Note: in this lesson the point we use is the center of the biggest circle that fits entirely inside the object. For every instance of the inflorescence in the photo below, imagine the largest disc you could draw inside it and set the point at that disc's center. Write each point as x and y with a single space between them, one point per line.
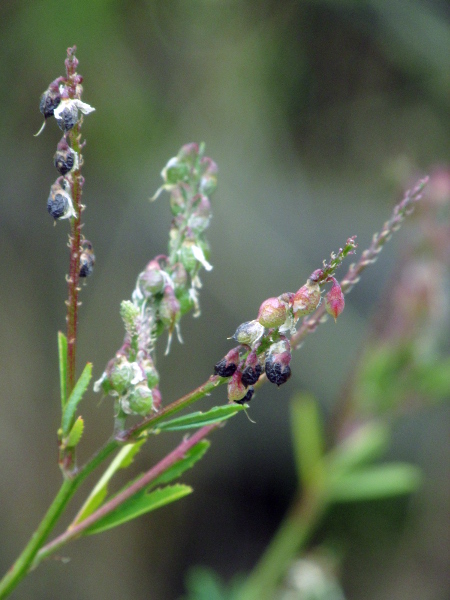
263 343
62 100
167 288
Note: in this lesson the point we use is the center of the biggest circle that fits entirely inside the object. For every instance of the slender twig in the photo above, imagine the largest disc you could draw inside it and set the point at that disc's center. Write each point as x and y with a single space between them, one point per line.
141 483
368 257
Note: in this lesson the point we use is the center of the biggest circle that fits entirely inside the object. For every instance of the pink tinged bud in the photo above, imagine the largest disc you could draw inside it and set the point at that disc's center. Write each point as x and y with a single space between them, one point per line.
252 369
169 309
334 299
201 213
272 313
306 299
228 364
236 389
178 275
249 333
151 281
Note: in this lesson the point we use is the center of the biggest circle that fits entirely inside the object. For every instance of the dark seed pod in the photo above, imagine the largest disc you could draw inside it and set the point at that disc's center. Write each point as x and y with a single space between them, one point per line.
87 259
228 364
68 117
250 375
248 396
277 372
224 369
59 203
64 160
50 99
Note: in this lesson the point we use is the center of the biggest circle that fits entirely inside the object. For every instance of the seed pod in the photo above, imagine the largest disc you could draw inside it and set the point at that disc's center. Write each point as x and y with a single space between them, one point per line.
150 372
272 312
67 115
201 213
334 299
248 396
139 401
169 309
208 182
306 299
248 333
87 259
228 364
50 99
65 158
121 375
277 362
252 369
59 203
236 389
151 281
178 275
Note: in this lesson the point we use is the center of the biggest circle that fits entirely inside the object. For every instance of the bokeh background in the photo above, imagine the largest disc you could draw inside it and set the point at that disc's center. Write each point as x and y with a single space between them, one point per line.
317 113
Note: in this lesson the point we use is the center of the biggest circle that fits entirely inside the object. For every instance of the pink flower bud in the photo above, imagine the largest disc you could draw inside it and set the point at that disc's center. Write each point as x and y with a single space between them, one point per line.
228 364
236 389
334 299
272 313
306 299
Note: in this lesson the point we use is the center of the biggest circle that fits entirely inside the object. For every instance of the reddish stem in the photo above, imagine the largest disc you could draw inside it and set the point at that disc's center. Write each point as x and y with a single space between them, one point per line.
76 184
177 454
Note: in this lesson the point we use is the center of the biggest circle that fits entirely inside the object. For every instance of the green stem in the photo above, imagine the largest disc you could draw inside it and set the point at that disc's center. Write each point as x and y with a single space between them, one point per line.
292 535
20 568
23 563
139 484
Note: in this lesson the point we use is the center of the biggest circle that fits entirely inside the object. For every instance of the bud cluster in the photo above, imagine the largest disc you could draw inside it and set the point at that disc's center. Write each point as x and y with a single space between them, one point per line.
168 287
263 346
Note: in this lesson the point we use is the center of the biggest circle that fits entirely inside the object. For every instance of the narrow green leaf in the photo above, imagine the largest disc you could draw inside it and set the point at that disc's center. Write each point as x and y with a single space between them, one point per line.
75 433
138 505
372 483
123 459
62 354
187 462
361 447
199 419
308 439
74 398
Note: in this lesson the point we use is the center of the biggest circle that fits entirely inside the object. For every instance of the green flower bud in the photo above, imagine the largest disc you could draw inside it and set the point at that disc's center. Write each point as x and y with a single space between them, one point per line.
139 401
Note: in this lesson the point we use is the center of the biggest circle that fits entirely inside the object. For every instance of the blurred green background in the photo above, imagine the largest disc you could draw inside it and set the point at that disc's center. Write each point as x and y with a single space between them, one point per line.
316 113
